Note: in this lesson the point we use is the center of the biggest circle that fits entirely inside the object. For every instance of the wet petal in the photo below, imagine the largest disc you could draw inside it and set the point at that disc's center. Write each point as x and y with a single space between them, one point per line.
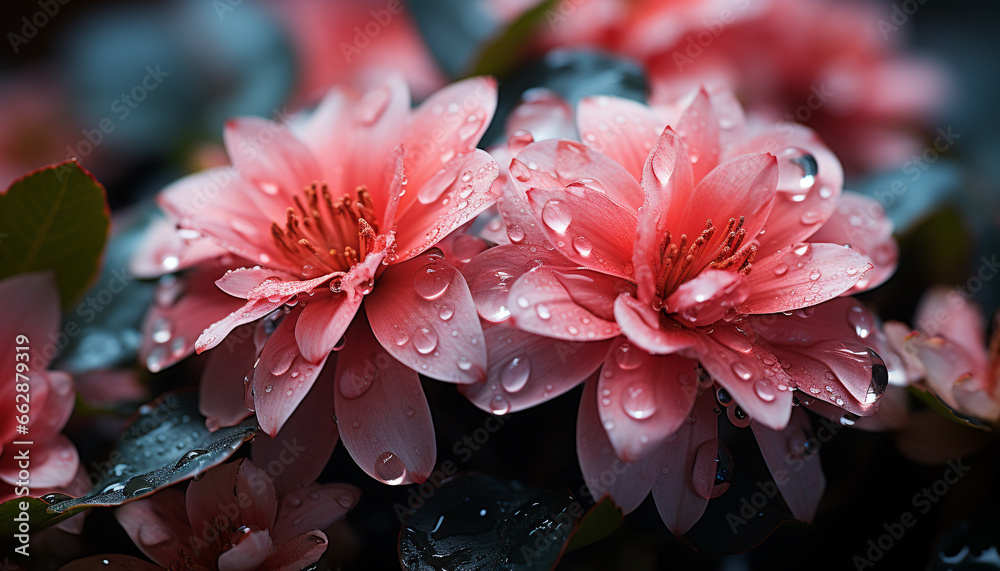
322 323
862 223
314 506
221 391
575 305
620 129
792 456
158 525
644 326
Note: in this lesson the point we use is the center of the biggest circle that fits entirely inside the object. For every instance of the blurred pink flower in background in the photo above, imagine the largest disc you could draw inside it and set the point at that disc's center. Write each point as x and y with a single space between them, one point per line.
357 42
340 211
233 518
31 308
726 229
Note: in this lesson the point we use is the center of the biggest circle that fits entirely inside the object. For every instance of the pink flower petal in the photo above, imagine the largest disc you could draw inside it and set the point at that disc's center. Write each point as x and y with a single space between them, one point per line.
646 327
158 525
603 472
54 406
802 275
272 289
543 114
241 281
314 506
575 305
298 553
422 313
948 313
643 398
322 324
184 307
699 127
221 391
802 204
555 164
297 454
792 457
451 198
527 369
449 123
708 297
381 405
30 308
491 274
249 553
163 250
687 469
52 465
521 227
862 223
267 155
251 311
750 373
667 179
586 226
204 497
257 496
282 376
620 129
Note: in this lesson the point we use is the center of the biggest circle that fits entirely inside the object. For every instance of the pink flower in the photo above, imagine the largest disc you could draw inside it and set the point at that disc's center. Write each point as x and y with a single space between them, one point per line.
646 252
948 351
341 212
233 518
30 306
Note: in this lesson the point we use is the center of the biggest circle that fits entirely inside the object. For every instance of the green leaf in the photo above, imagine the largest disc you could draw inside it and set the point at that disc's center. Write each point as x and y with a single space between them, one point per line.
939 406
166 443
599 522
38 517
55 218
500 56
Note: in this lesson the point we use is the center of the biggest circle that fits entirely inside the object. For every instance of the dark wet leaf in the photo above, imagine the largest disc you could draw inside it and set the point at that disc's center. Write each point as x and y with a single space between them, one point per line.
971 545
454 30
475 521
599 522
56 219
940 407
38 518
166 443
501 55
103 330
573 74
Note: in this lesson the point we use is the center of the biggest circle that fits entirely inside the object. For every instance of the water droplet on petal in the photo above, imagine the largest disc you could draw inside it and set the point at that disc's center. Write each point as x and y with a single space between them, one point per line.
764 390
880 378
542 310
445 312
389 468
742 370
424 340
582 246
432 280
499 405
515 374
357 379
638 402
859 318
628 357
556 217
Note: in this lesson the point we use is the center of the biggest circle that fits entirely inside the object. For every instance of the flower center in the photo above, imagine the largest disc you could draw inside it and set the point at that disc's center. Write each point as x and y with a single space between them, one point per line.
337 233
681 260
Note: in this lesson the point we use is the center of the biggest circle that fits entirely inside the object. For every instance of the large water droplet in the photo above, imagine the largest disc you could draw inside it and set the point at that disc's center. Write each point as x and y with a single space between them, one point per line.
499 405
519 170
742 370
424 340
628 357
724 398
638 402
860 320
162 330
582 246
738 417
357 379
515 374
189 456
432 280
764 390
556 217
806 162
390 469
156 359
880 378
543 311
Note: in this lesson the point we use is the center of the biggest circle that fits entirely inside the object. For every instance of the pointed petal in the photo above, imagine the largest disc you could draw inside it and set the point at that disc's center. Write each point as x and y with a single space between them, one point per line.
251 311
667 180
55 407
544 114
527 369
862 223
382 407
221 391
802 275
203 497
802 204
250 553
257 496
575 305
422 313
270 157
298 553
603 472
184 307
323 322
749 372
644 327
699 127
454 196
644 398
679 487
158 524
947 313
240 281
587 227
282 376
708 297
555 164
314 506
620 129
53 465
164 251
792 457
305 442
